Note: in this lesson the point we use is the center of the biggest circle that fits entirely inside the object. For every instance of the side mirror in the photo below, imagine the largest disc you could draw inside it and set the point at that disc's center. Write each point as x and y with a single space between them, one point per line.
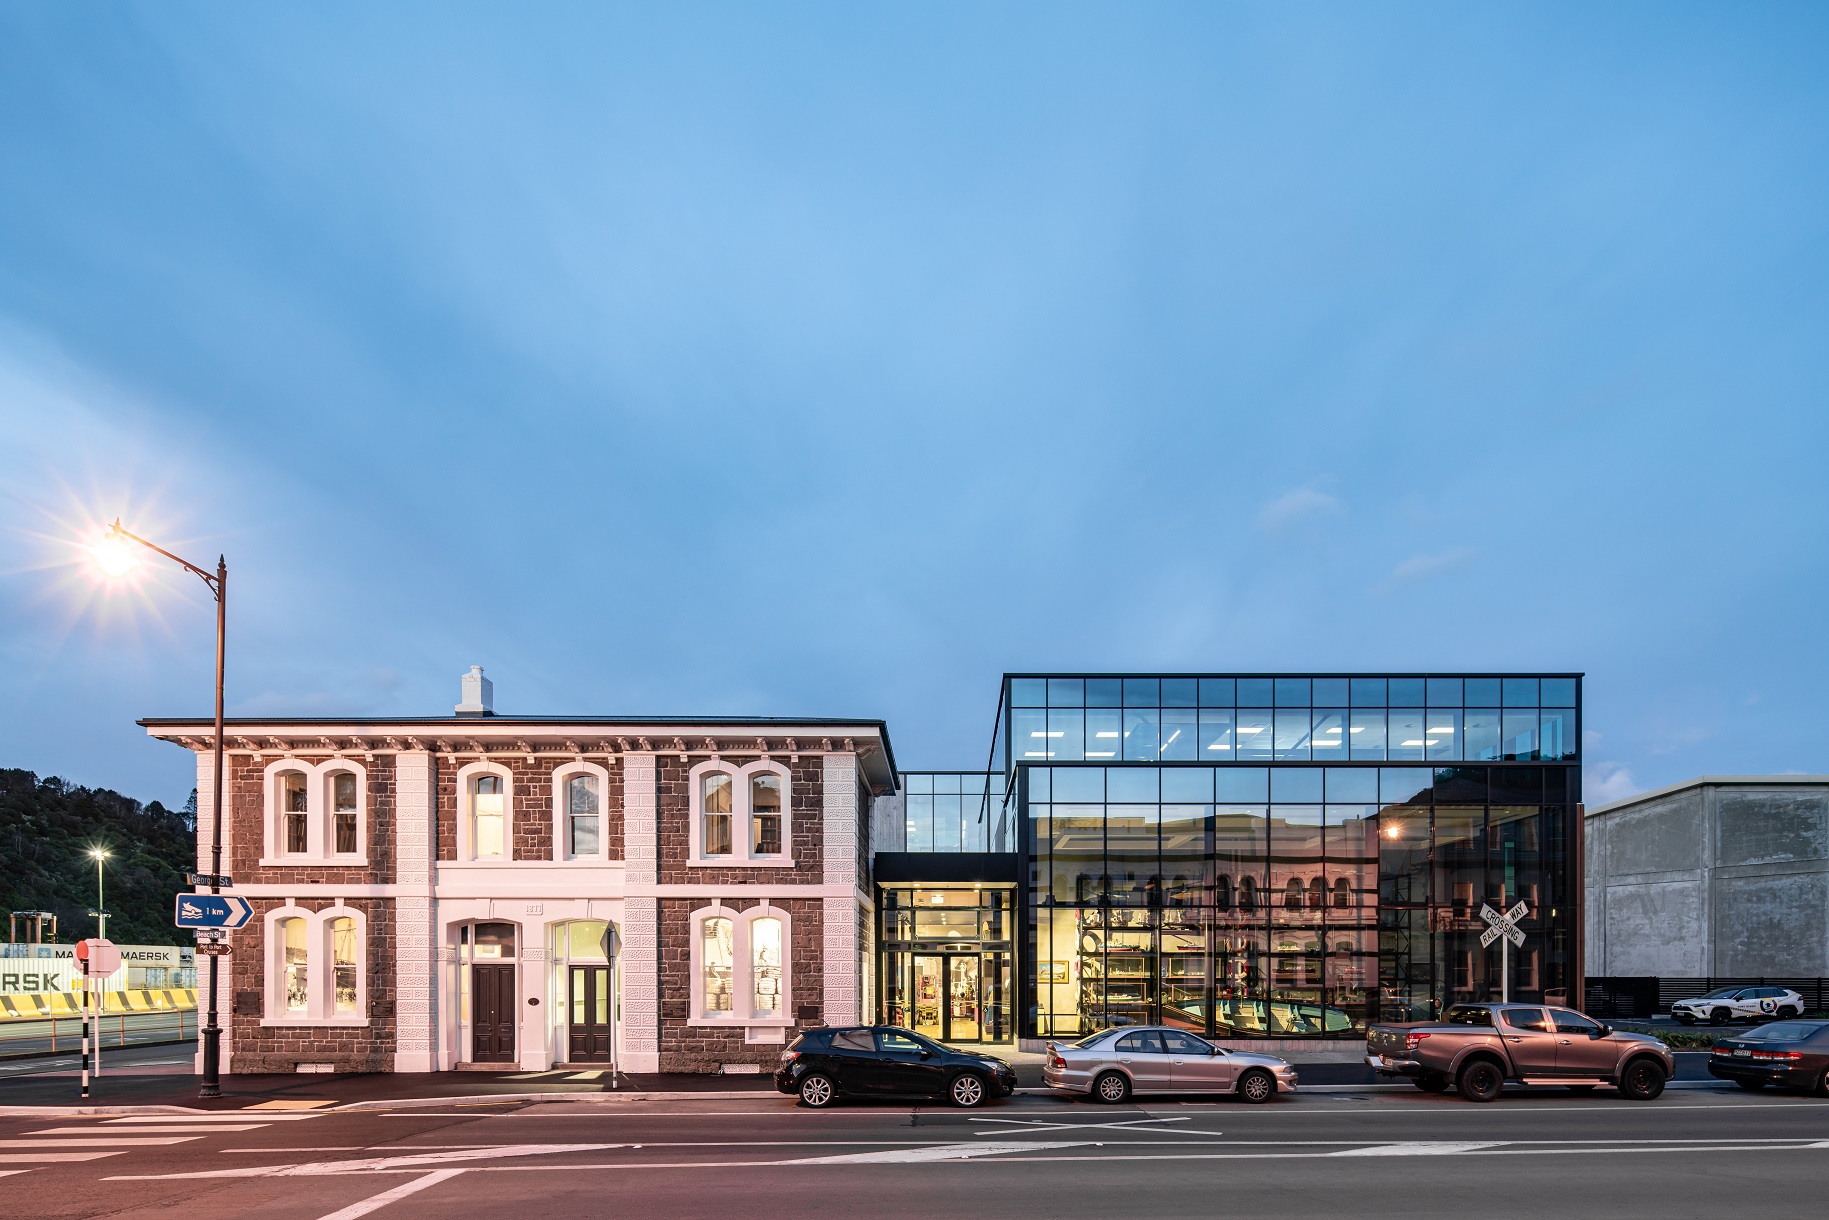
926 1054
1602 1032
1213 1051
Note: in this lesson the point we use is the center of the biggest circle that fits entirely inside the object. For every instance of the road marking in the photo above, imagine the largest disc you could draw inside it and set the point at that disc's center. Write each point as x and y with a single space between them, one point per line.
933 1152
187 1129
115 1141
1415 1148
380 1164
291 1104
208 1116
14 1158
1047 1125
392 1195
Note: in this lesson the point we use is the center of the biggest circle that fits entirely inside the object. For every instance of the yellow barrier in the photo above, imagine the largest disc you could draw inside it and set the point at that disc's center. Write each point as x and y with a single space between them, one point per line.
42 1005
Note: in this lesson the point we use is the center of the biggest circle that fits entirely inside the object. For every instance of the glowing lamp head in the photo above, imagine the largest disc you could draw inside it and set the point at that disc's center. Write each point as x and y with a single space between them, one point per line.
114 555
98 853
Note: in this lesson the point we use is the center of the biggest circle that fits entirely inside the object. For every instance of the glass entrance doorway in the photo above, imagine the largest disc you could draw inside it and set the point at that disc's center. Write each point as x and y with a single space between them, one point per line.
946 963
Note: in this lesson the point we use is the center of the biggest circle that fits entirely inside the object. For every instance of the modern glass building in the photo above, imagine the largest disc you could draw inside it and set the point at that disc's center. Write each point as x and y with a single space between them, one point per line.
1239 855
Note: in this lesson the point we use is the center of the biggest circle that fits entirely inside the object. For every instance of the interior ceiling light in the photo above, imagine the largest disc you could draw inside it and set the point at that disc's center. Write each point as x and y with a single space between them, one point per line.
1060 734
1104 734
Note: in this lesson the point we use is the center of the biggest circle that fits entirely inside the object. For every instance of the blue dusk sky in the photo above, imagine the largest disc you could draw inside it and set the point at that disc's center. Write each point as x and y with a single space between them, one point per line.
787 360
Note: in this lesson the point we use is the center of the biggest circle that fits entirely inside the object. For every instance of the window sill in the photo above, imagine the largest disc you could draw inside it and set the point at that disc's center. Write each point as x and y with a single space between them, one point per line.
740 862
336 1022
501 862
314 862
739 1023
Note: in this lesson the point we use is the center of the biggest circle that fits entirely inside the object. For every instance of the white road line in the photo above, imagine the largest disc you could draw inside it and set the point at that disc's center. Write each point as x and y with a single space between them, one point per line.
1414 1148
99 1141
15 1158
212 1117
1039 1124
933 1152
380 1164
187 1128
389 1196
7 1173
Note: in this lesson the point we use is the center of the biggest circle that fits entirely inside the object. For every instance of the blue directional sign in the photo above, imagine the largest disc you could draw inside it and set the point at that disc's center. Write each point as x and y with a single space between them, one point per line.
212 911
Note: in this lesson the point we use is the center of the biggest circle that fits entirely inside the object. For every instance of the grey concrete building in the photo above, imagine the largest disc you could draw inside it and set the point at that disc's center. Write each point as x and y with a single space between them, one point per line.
1722 875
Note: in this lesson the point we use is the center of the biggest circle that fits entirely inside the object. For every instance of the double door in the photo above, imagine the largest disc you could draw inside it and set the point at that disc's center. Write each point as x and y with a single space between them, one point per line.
493 1014
948 1001
592 1015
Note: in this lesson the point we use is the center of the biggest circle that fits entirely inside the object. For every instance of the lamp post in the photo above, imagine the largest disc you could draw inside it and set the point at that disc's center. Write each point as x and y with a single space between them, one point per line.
114 558
99 854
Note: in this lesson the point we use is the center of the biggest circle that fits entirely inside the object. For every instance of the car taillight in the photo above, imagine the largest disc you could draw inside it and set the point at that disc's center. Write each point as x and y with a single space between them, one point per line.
1412 1041
1781 1056
789 1056
1055 1061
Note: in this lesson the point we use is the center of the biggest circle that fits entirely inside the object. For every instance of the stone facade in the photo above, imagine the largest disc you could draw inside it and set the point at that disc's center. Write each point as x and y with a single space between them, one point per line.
417 897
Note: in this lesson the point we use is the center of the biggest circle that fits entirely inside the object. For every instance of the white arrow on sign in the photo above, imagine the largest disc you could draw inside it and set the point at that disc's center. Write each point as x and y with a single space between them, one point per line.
1504 926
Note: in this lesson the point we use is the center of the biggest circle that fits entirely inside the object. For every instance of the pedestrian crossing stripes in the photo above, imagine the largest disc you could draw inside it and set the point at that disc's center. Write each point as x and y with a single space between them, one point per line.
114 1136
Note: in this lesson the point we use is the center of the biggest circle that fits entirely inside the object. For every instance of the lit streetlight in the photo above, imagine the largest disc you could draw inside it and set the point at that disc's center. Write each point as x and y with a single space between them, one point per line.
99 854
115 557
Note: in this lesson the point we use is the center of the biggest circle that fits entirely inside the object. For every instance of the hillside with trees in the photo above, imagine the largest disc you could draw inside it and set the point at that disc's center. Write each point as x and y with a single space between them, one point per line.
47 828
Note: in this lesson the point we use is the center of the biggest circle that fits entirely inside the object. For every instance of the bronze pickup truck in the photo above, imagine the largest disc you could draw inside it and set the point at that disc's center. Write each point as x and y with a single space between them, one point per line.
1478 1047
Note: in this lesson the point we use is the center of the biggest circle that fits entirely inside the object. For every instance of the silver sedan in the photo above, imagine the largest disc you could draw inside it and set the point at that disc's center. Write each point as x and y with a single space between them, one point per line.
1114 1063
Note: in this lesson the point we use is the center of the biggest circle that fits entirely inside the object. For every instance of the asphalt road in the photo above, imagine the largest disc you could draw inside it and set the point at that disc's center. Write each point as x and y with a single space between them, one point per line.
1700 1151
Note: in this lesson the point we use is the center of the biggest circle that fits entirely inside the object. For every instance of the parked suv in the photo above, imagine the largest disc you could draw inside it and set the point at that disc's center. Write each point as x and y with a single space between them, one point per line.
822 1065
1478 1047
1726 1004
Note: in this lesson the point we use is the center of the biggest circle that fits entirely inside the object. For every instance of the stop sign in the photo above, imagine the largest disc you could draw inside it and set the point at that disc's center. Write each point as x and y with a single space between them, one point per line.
98 957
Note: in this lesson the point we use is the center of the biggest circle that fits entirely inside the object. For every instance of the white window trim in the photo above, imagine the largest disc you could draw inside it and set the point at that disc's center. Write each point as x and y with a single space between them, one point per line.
319 835
319 968
741 831
562 820
466 847
742 981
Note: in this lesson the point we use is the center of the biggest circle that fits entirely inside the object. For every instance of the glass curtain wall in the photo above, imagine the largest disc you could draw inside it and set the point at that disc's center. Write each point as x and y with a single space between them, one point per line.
1286 901
955 811
947 959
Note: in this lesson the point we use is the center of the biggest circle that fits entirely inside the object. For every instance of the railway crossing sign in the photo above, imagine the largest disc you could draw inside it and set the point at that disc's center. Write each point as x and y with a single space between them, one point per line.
1503 925
1506 931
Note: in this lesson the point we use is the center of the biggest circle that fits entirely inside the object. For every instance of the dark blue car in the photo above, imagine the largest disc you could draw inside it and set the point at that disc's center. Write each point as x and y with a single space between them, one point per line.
823 1065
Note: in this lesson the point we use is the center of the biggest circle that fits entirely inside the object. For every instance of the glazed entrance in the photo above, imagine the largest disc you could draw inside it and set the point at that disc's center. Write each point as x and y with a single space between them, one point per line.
946 966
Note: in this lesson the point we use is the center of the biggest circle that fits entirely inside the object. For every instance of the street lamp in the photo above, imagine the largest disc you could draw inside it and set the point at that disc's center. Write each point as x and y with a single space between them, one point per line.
116 558
99 854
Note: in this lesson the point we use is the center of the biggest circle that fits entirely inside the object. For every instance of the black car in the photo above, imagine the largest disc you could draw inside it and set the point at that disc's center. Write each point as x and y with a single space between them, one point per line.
1790 1053
822 1065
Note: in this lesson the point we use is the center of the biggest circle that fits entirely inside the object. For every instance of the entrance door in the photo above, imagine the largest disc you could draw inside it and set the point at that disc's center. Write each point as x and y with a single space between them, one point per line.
591 1011
962 999
492 992
930 997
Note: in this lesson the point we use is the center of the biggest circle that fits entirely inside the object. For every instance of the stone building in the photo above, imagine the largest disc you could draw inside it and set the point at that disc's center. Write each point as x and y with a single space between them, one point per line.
434 893
1718 876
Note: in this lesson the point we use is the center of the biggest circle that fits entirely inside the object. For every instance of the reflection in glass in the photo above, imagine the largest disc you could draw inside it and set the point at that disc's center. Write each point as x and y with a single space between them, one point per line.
1441 734
765 965
1330 735
486 815
1366 735
1066 734
1180 733
716 958
343 965
581 815
1076 853
1133 874
296 978
1029 734
1103 734
1406 739
1142 734
1292 729
1185 854
1558 734
1518 736
1256 740
1482 733
715 794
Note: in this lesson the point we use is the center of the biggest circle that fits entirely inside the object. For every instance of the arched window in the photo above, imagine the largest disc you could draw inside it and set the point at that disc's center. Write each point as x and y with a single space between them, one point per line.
765 814
343 966
1222 893
1292 895
486 816
715 794
1247 894
1317 893
294 813
717 957
295 965
343 812
1343 893
583 823
765 965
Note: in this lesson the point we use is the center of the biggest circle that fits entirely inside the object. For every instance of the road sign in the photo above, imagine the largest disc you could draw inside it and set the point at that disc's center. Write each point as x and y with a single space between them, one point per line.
98 958
212 911
1504 927
213 948
201 880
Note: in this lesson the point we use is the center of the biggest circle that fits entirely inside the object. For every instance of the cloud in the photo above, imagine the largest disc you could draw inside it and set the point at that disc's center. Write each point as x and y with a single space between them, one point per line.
1298 505
1604 782
1424 567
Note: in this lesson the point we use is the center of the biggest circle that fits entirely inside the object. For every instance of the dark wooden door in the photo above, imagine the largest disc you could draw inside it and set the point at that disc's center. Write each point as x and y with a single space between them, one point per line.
493 1014
592 1013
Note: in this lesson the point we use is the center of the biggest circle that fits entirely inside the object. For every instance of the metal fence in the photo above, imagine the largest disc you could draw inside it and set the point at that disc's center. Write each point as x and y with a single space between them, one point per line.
1652 995
59 1034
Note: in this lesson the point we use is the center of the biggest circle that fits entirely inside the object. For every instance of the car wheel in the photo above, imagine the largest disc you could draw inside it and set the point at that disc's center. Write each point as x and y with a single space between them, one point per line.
1112 1088
1786 1013
1257 1086
1822 1084
1643 1080
1751 1086
1581 1088
967 1090
1720 1016
1431 1082
817 1091
1481 1080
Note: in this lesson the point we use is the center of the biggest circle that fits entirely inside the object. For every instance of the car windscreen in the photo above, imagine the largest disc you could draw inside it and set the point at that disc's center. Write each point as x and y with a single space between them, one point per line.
1782 1031
1468 1014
